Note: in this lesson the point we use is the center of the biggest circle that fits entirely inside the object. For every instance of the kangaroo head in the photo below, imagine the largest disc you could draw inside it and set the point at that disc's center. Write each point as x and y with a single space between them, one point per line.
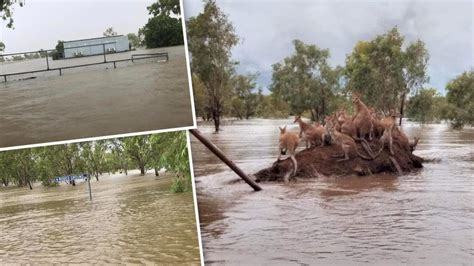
282 130
355 98
297 118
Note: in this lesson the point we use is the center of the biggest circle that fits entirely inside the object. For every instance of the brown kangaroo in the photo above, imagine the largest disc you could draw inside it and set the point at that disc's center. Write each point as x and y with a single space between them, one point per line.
305 128
362 119
345 142
288 142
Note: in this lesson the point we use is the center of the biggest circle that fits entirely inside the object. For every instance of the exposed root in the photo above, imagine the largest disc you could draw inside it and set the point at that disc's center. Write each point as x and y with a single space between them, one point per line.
318 162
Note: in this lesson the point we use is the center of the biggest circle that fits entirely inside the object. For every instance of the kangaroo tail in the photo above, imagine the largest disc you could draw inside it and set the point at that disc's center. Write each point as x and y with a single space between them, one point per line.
295 163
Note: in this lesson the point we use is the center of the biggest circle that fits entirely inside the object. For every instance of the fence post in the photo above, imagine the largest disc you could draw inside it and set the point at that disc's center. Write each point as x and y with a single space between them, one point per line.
103 46
47 60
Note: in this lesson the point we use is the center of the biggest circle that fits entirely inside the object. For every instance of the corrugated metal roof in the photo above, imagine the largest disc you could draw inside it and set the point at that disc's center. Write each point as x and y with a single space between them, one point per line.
94 38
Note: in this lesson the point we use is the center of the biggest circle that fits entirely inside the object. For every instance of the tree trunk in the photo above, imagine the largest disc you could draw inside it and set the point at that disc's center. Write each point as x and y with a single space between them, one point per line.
97 176
156 172
216 119
29 183
401 109
142 169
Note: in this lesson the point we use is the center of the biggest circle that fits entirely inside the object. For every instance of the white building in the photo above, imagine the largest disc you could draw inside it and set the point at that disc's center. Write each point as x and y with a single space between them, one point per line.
95 46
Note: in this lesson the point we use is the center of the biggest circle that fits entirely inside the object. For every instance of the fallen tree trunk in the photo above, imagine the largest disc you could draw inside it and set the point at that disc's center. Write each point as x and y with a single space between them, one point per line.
320 161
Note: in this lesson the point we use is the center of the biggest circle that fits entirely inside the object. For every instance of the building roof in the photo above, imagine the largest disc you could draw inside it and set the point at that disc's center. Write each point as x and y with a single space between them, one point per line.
94 38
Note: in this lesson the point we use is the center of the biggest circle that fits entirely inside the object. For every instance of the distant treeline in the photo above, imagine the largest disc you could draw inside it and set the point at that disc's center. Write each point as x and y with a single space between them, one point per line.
167 150
388 72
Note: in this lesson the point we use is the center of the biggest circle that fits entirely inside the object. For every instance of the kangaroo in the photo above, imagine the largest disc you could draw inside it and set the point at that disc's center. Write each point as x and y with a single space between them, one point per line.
362 119
347 125
311 132
345 142
388 124
288 143
414 144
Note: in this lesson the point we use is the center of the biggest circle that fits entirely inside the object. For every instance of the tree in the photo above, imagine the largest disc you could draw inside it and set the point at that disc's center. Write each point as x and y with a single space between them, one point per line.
58 53
134 40
2 47
305 80
109 32
420 107
6 10
139 149
384 73
245 99
460 98
165 7
200 99
211 38
162 31
93 154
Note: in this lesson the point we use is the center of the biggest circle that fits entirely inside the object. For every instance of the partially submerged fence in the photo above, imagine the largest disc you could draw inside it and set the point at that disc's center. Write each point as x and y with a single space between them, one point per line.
46 54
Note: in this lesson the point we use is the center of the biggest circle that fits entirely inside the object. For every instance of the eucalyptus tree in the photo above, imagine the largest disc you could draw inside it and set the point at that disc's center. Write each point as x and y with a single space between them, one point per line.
211 37
460 97
305 80
6 10
140 151
384 72
93 155
244 102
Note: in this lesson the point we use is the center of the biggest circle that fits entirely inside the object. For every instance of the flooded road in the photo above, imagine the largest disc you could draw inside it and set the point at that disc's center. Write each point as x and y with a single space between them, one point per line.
424 218
95 101
132 220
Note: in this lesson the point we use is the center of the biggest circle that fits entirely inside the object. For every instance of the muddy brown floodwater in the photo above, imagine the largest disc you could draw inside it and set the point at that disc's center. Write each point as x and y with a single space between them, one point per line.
423 218
132 220
94 101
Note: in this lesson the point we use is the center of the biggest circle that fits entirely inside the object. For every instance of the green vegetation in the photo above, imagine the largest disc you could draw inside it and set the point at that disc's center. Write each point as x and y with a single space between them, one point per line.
305 80
109 32
164 28
6 10
134 40
167 150
460 99
386 71
210 39
58 53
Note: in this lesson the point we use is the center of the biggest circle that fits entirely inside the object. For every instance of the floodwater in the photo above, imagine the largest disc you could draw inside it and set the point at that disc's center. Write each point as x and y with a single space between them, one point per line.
94 101
132 220
423 218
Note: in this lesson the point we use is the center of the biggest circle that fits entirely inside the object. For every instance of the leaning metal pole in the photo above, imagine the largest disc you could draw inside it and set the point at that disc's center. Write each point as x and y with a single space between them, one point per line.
214 149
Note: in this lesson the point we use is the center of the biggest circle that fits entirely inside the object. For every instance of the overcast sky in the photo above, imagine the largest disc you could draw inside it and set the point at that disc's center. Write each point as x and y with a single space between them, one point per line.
267 29
40 24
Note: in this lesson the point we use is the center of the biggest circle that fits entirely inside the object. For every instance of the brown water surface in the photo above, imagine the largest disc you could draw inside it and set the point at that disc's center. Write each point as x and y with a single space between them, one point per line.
423 218
94 101
132 220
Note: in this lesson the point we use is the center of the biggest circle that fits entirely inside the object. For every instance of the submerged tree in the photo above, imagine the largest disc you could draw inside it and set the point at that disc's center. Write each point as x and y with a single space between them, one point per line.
210 38
460 97
305 80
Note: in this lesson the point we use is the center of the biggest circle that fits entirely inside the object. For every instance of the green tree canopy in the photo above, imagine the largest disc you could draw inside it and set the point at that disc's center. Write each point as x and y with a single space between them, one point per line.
460 97
305 80
6 10
165 7
109 32
210 38
383 72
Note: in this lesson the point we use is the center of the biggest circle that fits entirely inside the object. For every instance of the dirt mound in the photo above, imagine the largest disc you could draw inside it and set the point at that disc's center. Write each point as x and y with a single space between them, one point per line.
320 161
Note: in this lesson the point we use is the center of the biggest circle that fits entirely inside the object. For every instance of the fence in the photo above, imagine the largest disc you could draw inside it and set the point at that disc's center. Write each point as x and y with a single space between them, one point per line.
47 53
